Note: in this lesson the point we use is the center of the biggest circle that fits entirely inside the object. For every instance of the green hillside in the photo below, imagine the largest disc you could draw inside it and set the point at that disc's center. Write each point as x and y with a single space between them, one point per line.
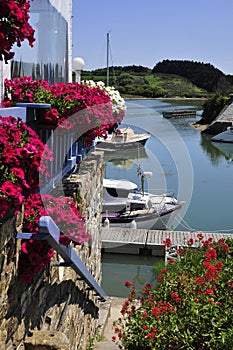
166 79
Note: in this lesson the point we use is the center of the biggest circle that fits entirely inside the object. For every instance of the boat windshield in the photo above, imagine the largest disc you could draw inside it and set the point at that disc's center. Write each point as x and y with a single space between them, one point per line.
137 206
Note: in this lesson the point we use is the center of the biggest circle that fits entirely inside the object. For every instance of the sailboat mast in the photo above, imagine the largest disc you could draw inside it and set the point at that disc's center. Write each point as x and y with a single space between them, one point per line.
107 59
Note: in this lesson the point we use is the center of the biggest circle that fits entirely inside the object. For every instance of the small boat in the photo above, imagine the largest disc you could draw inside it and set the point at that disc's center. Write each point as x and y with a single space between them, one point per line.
225 136
115 194
123 138
125 206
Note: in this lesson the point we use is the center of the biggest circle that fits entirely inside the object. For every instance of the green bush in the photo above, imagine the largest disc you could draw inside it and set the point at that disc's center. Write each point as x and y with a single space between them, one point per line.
191 306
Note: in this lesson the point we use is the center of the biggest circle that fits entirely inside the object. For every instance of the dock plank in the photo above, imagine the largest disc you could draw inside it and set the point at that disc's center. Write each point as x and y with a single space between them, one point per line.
155 237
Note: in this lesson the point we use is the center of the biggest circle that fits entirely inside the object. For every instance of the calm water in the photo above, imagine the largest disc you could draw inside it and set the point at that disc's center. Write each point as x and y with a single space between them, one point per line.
183 161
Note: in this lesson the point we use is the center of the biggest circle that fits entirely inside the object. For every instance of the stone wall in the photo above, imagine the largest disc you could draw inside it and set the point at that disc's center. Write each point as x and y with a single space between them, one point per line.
56 311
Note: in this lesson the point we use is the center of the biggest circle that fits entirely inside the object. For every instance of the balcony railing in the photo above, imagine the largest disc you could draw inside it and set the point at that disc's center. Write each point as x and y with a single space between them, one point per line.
67 150
49 231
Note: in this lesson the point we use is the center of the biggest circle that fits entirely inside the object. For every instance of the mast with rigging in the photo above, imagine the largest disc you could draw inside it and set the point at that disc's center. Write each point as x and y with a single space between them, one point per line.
107 59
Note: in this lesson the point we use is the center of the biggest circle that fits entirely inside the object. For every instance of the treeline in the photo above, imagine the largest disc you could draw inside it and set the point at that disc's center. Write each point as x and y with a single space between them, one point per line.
166 79
203 75
212 107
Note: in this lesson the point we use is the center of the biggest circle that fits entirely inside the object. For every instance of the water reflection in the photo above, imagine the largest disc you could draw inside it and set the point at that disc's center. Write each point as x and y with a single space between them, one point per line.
226 149
48 59
117 268
216 150
126 158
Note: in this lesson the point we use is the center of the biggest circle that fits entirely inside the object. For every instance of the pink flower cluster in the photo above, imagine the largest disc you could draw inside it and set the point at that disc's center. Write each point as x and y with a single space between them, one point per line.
22 90
14 26
64 213
36 254
20 151
73 105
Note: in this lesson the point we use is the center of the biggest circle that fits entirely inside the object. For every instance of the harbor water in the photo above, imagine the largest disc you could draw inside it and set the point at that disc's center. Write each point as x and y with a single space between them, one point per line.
185 163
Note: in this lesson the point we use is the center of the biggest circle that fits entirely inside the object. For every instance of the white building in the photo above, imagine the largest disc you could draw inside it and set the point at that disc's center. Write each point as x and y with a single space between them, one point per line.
51 56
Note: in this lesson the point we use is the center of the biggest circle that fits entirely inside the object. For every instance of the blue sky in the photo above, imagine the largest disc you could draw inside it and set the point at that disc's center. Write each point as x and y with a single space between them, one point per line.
147 32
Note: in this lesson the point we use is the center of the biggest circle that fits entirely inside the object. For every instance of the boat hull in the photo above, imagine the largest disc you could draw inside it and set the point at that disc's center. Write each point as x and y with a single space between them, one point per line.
151 220
113 146
225 136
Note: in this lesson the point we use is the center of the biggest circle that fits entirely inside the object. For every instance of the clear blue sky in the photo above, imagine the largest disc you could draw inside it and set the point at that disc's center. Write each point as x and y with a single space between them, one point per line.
147 32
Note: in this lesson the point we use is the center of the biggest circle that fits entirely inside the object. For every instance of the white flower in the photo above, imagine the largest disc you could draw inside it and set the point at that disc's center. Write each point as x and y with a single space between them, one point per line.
118 103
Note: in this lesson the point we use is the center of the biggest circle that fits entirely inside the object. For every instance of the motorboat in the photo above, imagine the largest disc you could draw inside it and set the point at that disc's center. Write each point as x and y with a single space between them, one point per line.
123 138
225 136
143 211
126 206
115 194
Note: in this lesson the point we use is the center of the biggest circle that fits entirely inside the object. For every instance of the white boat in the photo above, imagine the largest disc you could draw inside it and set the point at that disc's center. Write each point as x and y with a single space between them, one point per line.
123 138
115 194
225 136
142 210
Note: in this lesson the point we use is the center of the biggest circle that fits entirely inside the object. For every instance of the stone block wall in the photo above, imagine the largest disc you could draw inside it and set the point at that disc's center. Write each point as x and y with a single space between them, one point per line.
56 311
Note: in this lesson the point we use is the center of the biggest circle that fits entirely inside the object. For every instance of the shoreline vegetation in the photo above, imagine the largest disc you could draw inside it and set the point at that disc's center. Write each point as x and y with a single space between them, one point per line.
168 79
172 80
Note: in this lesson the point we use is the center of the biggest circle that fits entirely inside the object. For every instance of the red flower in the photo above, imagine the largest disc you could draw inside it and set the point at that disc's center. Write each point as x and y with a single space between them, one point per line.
174 295
167 242
10 189
128 283
226 248
150 335
171 261
200 236
155 311
209 291
190 242
18 172
14 26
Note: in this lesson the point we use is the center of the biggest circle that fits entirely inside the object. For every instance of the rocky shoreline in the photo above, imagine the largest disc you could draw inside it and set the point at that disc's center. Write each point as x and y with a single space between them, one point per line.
200 127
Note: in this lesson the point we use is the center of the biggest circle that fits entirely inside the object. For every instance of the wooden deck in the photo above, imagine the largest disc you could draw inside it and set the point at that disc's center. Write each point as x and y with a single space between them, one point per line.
180 113
149 242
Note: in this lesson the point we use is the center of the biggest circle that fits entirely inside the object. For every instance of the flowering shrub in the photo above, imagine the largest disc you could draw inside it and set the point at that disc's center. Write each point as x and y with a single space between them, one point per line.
14 26
24 89
118 103
36 254
101 107
191 307
94 108
74 106
20 152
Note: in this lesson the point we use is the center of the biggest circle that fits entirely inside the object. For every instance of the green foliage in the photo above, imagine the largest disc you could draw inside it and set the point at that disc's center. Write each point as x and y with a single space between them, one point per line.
191 307
203 75
212 107
149 85
138 81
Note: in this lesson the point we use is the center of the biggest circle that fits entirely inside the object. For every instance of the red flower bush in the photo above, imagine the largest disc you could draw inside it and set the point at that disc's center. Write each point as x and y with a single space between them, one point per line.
36 254
74 106
14 26
20 152
190 308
